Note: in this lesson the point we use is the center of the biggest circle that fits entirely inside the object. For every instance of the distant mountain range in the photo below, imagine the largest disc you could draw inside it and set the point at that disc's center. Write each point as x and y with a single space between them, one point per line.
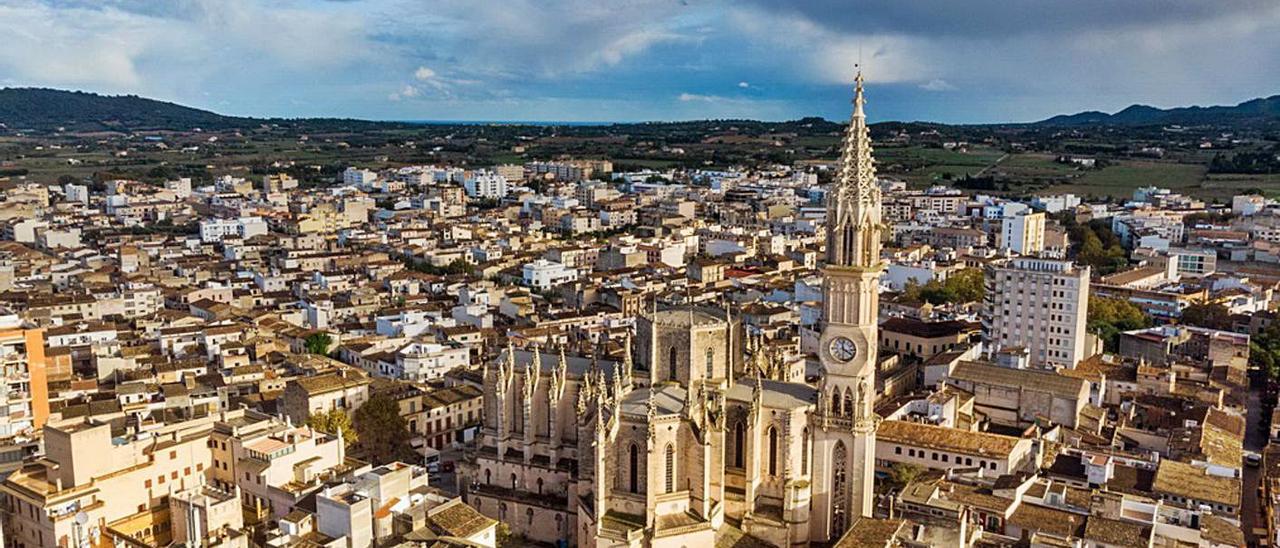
42 109
1265 109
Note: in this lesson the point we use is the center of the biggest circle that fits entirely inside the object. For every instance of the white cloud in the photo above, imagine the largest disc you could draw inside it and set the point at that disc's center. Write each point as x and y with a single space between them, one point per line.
937 84
744 85
171 48
424 73
691 97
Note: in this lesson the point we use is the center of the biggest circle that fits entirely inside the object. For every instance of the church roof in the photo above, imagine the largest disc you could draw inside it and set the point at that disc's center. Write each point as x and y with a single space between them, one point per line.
777 394
577 365
682 317
668 398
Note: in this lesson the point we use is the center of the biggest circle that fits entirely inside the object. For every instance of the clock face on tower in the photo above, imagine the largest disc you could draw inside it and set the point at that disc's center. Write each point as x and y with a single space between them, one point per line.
842 349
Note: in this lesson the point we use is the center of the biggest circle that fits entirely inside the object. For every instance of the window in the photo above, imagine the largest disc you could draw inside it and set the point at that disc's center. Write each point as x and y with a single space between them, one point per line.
897 450
739 440
634 461
804 452
671 468
539 486
513 481
773 451
488 476
711 360
671 364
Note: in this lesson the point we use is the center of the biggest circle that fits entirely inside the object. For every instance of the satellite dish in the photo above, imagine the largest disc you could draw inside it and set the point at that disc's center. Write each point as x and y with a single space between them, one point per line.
82 518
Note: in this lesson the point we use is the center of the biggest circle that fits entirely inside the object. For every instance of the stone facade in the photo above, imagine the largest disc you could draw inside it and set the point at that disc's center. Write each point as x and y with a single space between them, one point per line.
685 440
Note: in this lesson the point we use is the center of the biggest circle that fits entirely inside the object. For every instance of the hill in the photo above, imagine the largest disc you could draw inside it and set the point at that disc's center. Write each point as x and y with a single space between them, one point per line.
1255 110
48 109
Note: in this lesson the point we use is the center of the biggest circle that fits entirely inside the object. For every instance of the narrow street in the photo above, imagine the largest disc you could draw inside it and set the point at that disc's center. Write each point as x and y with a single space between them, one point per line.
1255 438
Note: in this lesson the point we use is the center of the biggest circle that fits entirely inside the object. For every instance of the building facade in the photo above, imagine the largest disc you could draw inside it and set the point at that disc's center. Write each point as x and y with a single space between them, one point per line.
684 440
1040 305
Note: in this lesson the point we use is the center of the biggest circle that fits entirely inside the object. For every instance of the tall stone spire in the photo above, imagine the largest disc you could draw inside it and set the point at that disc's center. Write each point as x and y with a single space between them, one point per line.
845 478
853 202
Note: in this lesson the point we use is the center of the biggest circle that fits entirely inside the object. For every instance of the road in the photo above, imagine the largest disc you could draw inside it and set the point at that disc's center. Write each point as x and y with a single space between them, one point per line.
1255 439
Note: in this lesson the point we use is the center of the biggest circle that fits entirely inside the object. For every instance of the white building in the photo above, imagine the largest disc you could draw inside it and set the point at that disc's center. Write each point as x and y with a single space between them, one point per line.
486 185
1248 204
1040 305
1023 233
544 275
1056 203
420 362
361 178
76 193
214 230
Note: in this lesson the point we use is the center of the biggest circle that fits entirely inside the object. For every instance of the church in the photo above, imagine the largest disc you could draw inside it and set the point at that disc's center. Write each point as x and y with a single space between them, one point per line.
685 441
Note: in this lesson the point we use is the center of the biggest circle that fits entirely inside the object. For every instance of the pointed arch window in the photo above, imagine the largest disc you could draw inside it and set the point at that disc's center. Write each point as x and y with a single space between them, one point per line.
839 488
804 452
551 417
671 468
634 461
773 451
671 364
711 363
848 402
739 441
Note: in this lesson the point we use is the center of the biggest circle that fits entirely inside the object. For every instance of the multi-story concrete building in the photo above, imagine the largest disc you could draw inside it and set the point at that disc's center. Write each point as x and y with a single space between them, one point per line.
1022 233
544 275
1040 305
274 463
118 481
345 389
214 230
24 392
486 185
358 177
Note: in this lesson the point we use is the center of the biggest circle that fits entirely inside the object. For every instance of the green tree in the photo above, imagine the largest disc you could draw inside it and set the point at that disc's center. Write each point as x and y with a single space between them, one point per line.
318 343
964 286
901 474
383 433
502 538
334 421
1264 351
1210 315
1109 317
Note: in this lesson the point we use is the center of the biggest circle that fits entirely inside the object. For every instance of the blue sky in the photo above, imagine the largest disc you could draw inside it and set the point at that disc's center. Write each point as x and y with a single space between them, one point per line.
621 60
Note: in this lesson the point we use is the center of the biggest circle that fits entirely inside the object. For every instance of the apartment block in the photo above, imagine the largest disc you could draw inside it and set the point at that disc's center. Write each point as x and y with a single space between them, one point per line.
1040 305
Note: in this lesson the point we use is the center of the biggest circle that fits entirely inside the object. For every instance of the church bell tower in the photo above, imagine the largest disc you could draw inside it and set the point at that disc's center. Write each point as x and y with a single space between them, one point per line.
845 433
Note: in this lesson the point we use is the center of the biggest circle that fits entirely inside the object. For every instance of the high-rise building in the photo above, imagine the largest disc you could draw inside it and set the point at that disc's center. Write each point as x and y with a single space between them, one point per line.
1023 233
24 394
1039 305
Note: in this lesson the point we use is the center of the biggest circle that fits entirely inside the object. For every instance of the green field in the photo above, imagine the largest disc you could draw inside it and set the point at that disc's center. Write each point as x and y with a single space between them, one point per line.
923 166
1121 178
